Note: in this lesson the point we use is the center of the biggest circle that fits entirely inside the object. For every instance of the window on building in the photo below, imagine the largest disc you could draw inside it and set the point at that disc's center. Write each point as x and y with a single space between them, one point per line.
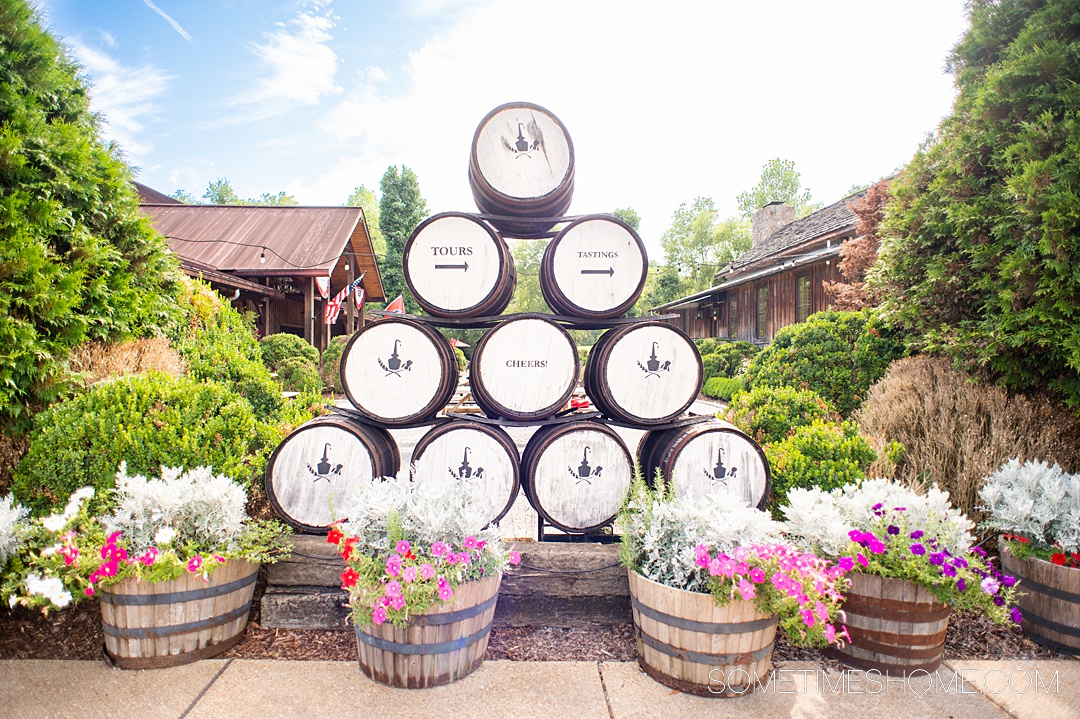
733 317
762 329
802 298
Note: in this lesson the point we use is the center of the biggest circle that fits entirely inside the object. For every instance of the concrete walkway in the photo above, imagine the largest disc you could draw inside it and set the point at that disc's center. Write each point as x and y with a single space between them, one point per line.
223 689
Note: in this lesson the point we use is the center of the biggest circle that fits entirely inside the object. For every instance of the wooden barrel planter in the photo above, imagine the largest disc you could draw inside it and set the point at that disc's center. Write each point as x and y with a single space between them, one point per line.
707 458
1049 601
456 265
594 268
397 371
896 626
322 465
643 374
440 646
688 643
522 167
165 624
575 474
524 369
481 457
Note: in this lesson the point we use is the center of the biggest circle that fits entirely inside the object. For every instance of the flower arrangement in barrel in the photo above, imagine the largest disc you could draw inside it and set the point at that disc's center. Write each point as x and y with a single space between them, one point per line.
886 529
712 545
157 529
408 545
1036 507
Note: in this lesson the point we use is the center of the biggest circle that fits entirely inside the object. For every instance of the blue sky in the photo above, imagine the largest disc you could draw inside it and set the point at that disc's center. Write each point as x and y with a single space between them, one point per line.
665 101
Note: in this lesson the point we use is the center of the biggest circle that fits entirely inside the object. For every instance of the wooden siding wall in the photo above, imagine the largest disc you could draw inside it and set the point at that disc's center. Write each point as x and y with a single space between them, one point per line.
782 301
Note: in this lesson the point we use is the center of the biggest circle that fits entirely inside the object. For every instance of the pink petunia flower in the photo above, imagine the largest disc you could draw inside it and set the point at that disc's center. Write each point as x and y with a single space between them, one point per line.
426 571
393 588
89 591
402 547
398 602
470 542
808 617
830 633
378 615
445 592
70 553
746 589
439 549
757 575
862 559
464 558
821 611
409 574
194 563
393 565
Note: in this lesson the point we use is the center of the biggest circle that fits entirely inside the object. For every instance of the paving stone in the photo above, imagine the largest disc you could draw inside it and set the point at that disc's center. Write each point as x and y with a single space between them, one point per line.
1027 689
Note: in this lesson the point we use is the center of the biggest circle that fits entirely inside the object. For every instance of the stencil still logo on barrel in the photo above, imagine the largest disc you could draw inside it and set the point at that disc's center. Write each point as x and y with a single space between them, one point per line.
394 365
465 471
323 470
585 473
720 473
522 147
653 367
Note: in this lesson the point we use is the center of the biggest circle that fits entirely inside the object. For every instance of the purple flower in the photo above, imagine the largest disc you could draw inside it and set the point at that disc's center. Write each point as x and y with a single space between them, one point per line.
937 559
1008 581
999 600
990 585
846 563
899 509
918 549
961 584
862 560
874 544
856 536
980 551
960 562
877 506
948 570
893 530
917 534
1015 615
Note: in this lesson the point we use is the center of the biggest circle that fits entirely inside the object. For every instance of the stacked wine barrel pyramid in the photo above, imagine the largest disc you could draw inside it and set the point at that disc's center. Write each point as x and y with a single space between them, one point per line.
401 372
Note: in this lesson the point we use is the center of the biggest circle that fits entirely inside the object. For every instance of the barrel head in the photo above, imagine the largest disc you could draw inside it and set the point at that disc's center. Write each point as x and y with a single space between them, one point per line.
596 267
711 459
522 151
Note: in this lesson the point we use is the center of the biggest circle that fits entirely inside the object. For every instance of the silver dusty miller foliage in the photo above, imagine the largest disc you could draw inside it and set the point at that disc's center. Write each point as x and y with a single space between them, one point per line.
13 527
1035 500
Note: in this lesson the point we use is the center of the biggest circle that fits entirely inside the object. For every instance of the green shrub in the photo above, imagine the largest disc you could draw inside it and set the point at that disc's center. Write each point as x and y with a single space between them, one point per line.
77 261
147 420
277 348
330 365
723 388
297 374
219 344
706 345
732 355
838 355
768 414
583 354
460 356
710 367
822 454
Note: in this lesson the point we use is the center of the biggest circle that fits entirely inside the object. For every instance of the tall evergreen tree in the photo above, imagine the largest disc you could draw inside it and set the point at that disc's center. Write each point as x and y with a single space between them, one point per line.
401 209
77 261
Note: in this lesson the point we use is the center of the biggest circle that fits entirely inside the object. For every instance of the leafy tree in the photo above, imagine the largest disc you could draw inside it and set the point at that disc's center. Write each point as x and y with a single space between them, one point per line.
698 244
365 198
280 199
527 296
185 197
662 285
77 261
220 192
779 183
401 209
628 216
981 245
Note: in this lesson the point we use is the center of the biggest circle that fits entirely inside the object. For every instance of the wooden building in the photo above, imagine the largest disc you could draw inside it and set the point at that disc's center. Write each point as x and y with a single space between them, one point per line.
777 282
266 258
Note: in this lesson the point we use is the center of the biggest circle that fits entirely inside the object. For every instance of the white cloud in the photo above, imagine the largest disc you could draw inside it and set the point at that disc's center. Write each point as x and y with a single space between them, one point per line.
175 25
125 97
108 38
299 68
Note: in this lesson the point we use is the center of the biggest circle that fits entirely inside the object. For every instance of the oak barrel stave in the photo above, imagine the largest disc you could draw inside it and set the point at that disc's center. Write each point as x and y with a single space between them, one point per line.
321 466
685 641
576 474
1049 601
397 371
456 265
164 624
438 647
482 457
595 267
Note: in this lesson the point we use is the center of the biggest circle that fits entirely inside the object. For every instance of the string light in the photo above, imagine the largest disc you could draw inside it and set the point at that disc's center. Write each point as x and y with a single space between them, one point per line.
262 256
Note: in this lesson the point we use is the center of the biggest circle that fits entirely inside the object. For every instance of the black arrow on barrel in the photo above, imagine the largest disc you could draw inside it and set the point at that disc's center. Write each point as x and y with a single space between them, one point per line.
609 272
464 266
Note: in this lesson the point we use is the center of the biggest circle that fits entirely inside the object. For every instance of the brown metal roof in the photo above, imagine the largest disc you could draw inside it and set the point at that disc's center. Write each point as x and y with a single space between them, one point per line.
202 271
298 241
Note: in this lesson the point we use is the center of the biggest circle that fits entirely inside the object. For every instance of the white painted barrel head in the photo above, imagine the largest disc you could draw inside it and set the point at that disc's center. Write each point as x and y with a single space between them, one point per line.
472 454
652 371
598 264
581 478
315 471
454 262
391 370
527 365
725 462
523 151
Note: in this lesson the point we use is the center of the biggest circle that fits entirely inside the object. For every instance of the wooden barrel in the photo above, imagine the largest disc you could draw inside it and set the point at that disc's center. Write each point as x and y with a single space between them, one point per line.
456 265
688 643
481 457
1049 601
524 369
643 374
165 624
594 268
397 371
522 166
442 645
896 626
576 474
322 465
707 458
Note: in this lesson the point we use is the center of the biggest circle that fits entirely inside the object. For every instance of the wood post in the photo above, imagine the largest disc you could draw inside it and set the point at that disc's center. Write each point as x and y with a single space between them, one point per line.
309 310
350 318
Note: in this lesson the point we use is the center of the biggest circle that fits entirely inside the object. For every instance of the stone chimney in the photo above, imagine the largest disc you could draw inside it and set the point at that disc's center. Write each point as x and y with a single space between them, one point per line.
769 219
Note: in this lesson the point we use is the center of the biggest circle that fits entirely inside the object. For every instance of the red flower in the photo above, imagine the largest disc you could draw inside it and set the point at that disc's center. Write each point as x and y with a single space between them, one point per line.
347 546
1058 558
349 577
334 536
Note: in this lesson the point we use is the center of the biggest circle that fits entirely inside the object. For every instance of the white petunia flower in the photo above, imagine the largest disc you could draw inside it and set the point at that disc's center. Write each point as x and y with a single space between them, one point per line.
54 522
164 535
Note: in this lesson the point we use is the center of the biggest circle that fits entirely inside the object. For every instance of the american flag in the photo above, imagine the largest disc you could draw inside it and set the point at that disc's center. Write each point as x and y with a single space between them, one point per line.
333 307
